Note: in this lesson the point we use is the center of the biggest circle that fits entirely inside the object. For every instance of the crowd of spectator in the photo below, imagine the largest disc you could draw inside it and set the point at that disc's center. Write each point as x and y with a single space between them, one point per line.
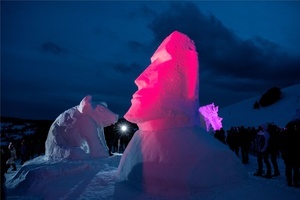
24 150
268 143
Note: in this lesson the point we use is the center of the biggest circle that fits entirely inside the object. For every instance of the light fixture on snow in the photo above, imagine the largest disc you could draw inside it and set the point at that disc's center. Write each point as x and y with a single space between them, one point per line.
123 128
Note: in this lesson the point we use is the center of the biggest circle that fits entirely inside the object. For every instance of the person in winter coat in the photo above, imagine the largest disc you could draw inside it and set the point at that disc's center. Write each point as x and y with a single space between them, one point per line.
4 157
23 152
273 147
13 157
245 143
262 153
233 140
290 151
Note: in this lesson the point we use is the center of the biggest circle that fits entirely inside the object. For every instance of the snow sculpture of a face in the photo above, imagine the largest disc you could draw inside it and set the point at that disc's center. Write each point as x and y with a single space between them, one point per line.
168 88
159 158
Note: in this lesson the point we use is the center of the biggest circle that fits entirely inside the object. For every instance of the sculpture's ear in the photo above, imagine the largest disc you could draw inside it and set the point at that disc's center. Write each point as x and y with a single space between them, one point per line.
85 104
105 104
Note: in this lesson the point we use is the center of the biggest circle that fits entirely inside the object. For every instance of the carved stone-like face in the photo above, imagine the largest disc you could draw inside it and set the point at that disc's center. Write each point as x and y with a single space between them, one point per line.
146 100
169 85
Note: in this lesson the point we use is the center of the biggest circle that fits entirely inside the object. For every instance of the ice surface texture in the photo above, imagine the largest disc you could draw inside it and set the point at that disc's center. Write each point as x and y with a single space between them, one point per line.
170 154
78 133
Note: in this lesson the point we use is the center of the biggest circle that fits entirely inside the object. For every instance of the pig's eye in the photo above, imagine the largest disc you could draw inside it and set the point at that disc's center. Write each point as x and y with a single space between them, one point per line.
101 109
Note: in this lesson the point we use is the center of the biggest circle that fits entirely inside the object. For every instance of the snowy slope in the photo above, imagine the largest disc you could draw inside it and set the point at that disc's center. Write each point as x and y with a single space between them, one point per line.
242 113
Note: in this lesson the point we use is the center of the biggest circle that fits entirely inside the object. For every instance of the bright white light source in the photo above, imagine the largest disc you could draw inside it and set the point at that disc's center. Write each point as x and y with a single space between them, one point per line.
123 128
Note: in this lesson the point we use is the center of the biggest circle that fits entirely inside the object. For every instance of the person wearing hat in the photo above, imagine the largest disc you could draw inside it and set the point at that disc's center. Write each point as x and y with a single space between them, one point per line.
13 157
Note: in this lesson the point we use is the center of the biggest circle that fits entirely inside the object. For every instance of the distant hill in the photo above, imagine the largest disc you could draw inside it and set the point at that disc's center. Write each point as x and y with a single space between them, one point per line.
280 113
16 129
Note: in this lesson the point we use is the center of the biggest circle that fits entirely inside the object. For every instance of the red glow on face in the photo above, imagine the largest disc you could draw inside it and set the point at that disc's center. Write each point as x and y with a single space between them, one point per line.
165 109
145 100
169 84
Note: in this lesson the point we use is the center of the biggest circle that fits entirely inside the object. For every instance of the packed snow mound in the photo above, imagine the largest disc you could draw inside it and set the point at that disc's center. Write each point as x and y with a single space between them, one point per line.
243 114
95 179
44 179
170 154
78 132
178 160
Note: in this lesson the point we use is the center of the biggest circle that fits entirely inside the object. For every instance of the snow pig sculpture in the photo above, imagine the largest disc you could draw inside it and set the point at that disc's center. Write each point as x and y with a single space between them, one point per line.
78 132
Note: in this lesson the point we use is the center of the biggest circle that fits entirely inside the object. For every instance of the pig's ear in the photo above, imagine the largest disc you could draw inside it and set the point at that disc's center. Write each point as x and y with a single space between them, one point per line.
103 103
101 108
85 104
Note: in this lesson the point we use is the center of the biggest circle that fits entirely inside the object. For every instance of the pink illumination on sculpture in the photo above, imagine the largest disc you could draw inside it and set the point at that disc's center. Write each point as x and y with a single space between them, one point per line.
167 88
168 155
211 118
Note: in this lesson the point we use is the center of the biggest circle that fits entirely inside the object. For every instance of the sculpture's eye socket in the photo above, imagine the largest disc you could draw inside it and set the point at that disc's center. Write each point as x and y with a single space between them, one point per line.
100 109
161 55
147 79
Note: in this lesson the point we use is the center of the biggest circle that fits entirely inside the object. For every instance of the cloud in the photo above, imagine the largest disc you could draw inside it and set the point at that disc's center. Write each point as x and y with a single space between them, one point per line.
142 11
126 68
50 47
222 53
135 45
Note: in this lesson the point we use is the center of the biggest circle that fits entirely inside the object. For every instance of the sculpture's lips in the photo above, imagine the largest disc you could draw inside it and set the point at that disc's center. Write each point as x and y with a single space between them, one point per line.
145 94
136 96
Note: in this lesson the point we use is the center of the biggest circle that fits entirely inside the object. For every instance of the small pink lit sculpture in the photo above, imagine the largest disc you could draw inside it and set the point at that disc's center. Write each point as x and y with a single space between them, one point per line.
78 133
170 154
210 115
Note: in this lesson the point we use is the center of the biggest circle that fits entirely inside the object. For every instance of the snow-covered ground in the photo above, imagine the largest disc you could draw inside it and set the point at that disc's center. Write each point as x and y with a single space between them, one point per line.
95 179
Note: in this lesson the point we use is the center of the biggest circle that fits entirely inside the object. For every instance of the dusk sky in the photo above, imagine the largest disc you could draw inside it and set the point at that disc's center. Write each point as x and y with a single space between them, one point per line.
53 53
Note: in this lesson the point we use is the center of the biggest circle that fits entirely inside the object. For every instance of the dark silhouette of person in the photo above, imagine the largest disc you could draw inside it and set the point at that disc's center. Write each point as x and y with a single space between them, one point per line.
23 152
232 140
5 155
290 151
12 158
245 143
109 137
220 135
39 147
30 149
262 153
273 147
